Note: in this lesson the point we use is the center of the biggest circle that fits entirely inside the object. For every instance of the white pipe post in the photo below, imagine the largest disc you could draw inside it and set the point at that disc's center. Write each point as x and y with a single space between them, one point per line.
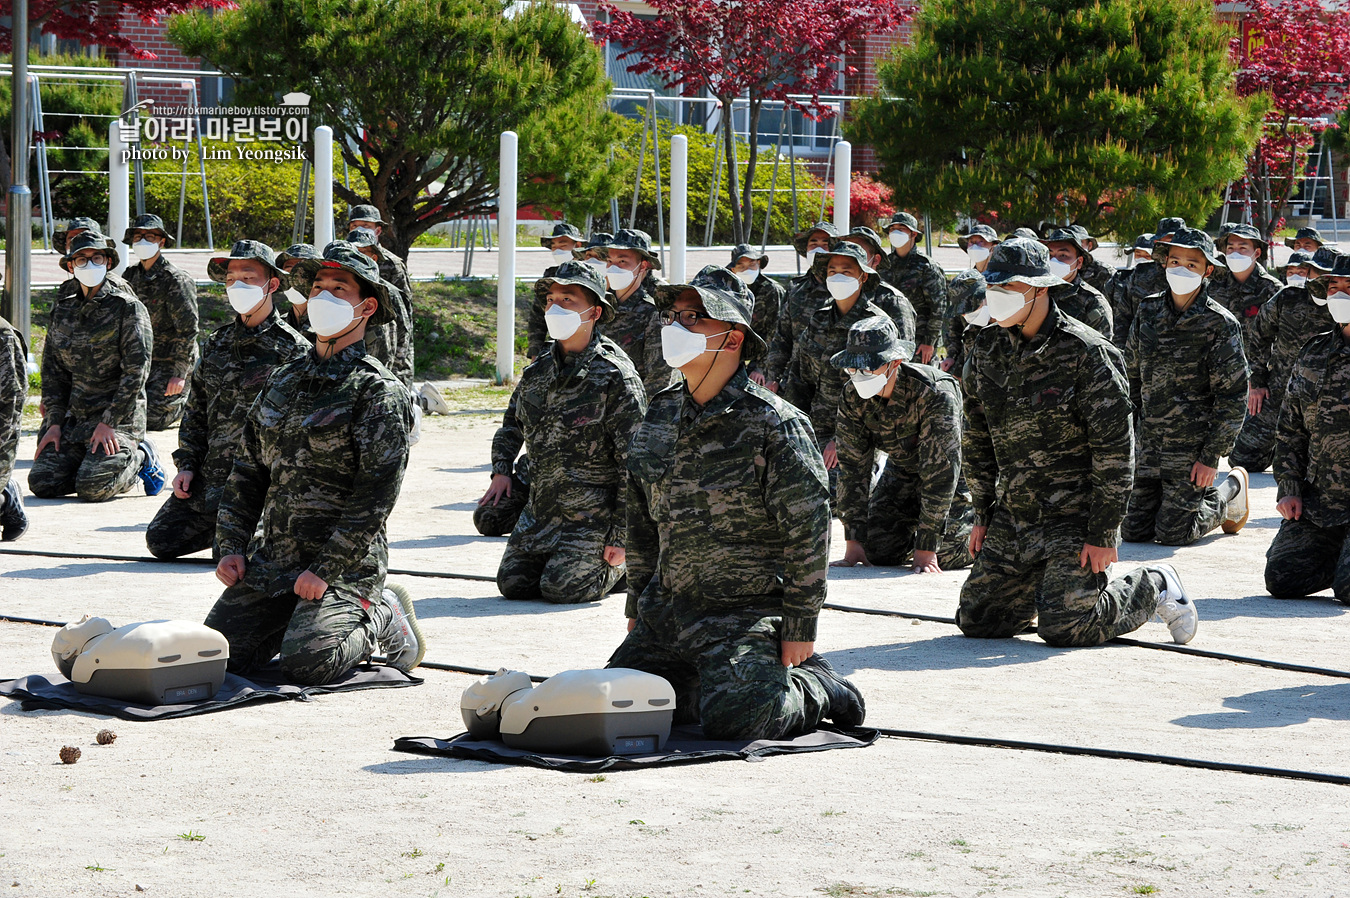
506 262
679 206
323 186
843 180
119 194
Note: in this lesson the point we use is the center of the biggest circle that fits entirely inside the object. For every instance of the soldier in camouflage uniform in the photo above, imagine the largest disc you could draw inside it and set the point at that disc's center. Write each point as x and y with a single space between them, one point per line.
1305 240
13 392
965 294
1094 271
562 243
384 343
1188 381
499 517
395 273
978 244
1077 298
169 294
728 535
297 291
919 511
1312 462
919 279
804 293
94 366
748 263
236 362
301 528
631 275
595 250
76 227
1285 323
1048 455
575 410
1243 285
1145 279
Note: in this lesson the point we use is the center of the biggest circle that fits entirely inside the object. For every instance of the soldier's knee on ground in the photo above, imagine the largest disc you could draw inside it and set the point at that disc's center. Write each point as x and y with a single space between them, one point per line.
754 709
498 520
45 483
101 484
317 663
1291 582
518 577
568 579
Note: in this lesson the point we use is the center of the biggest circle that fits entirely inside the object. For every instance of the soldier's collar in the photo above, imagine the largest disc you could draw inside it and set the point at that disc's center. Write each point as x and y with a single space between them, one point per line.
340 363
578 363
722 402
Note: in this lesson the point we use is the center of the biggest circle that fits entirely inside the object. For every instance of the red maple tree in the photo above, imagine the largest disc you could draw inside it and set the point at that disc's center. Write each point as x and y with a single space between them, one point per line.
1298 53
98 22
759 50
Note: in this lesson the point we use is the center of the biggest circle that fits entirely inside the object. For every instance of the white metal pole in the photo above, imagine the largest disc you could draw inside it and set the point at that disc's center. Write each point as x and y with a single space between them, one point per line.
679 206
506 262
323 186
843 174
119 196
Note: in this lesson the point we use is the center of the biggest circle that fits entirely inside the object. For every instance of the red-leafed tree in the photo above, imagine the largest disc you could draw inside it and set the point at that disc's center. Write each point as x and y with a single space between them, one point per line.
1297 52
99 21
759 50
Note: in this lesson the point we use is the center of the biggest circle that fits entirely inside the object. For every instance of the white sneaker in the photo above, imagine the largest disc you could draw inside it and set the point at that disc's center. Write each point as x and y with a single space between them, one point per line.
401 641
433 400
1239 508
416 433
1175 608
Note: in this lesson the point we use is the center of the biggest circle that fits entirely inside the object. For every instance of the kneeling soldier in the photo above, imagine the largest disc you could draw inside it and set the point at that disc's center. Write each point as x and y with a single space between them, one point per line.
574 410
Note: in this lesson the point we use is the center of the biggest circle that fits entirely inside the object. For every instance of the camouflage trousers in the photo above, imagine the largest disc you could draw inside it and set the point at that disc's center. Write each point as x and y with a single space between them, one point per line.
893 521
564 577
162 412
92 476
1255 448
1029 572
500 519
318 641
184 526
1305 558
1174 512
727 672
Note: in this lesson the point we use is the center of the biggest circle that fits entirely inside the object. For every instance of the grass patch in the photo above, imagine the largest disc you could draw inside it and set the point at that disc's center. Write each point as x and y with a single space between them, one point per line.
455 328
192 836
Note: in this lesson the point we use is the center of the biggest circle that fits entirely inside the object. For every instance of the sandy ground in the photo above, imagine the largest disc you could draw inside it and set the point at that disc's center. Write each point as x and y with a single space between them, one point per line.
308 799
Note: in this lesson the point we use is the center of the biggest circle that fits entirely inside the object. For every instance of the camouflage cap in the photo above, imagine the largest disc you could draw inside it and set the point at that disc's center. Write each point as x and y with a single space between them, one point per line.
979 230
598 243
1084 237
1245 231
1340 268
1167 227
1070 236
579 274
245 249
344 257
867 237
297 251
365 212
844 250
639 242
1021 260
147 223
826 227
1024 234
907 220
90 239
1188 238
965 293
746 251
1324 259
1305 234
362 237
725 298
75 224
561 229
1143 241
1298 259
871 343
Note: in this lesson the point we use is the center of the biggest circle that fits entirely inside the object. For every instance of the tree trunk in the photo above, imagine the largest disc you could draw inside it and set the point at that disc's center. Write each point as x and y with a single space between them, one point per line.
733 182
756 106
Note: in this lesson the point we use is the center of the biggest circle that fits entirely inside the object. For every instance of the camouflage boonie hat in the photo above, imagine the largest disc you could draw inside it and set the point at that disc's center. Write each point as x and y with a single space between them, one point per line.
965 293
979 230
639 242
1305 234
1245 231
1070 236
1167 227
297 251
1324 259
1340 268
362 237
365 213
147 223
343 256
245 249
867 236
725 298
1084 237
1021 260
1143 241
561 229
1188 238
746 251
872 342
909 221
846 251
598 243
1024 234
75 224
580 274
91 239
1298 259
799 242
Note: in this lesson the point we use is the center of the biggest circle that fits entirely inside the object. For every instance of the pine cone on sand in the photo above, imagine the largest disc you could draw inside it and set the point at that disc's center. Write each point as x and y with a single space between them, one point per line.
106 737
69 754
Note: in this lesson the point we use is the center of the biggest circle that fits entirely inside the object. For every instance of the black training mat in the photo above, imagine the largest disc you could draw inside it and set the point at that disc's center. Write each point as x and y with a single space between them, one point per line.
57 693
686 745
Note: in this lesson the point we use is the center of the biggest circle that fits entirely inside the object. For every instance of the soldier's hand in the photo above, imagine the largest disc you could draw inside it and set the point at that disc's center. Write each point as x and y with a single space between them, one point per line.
757 377
794 653
632 622
1256 396
51 438
977 539
614 556
925 563
1202 475
181 485
231 569
1099 557
174 386
854 554
309 587
1290 508
925 353
501 486
104 438
946 364
831 455
771 386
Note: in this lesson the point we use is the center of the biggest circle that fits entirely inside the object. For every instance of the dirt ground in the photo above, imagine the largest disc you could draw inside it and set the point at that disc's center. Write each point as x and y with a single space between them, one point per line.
308 799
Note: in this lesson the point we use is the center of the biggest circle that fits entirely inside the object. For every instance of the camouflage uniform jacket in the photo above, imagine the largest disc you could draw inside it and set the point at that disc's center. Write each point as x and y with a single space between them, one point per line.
395 272
802 294
382 341
1188 381
919 428
1129 288
575 416
1098 274
1312 456
1244 299
769 301
1287 321
95 363
235 364
13 391
169 294
922 282
636 329
317 472
728 508
1081 300
813 384
1048 429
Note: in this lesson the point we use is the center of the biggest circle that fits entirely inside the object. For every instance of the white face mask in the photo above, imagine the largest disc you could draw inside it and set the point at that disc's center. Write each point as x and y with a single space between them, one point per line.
749 276
841 286
1004 304
144 249
1338 304
562 255
868 385
296 297
244 298
899 238
977 318
1238 263
619 278
1183 281
811 254
91 275
1062 270
680 346
329 314
598 265
561 323
1296 280
977 253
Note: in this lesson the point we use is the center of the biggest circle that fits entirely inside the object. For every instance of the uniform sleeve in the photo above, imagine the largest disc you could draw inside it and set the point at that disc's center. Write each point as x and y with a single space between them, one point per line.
977 446
1122 308
535 328
14 370
1292 437
56 384
1228 385
643 544
627 408
780 344
857 452
768 308
797 496
828 390
935 315
241 505
183 306
193 433
402 350
1099 315
939 465
1264 332
1133 374
136 344
509 438
1106 411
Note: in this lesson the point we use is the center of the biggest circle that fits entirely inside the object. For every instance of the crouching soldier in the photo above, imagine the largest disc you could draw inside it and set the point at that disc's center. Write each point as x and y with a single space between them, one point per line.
1048 454
301 529
236 363
919 508
574 410
728 534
